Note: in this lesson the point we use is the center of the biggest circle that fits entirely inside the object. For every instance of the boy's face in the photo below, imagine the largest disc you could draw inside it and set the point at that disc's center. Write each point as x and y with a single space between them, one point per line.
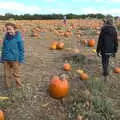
10 30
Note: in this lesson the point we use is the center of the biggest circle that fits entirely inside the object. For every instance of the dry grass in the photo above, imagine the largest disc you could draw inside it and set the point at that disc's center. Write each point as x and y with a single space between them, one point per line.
92 99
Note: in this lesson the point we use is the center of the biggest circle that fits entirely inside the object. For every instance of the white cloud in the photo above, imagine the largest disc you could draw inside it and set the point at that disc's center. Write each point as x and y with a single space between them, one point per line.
112 1
115 1
88 10
49 0
114 11
109 1
88 0
98 0
18 7
21 8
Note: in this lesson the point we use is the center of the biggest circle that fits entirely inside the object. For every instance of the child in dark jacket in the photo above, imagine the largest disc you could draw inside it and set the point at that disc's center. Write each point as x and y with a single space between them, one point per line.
12 54
107 44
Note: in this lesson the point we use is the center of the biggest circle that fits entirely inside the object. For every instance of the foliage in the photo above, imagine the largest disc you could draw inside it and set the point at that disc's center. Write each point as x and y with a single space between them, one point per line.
8 16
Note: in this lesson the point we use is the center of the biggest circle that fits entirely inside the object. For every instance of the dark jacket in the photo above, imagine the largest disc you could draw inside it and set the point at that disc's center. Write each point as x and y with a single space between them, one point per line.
13 48
107 42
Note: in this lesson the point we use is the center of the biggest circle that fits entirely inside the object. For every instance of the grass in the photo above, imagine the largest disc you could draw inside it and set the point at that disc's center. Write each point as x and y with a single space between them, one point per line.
96 106
90 99
16 96
4 104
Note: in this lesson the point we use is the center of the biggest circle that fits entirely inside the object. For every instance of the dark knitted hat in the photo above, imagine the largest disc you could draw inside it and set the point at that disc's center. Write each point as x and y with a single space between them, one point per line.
108 20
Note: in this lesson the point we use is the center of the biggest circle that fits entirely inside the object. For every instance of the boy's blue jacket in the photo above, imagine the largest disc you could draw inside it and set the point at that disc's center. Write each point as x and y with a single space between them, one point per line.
13 48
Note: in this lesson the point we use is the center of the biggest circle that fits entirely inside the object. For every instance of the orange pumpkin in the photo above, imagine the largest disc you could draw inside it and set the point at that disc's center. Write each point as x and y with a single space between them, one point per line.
78 36
84 76
53 47
116 70
60 45
79 71
84 42
67 67
76 50
61 34
68 30
55 42
58 88
66 34
91 43
35 34
70 33
37 29
2 115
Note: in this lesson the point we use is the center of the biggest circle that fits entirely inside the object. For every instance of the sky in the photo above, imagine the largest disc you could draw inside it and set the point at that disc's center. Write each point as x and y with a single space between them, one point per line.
60 6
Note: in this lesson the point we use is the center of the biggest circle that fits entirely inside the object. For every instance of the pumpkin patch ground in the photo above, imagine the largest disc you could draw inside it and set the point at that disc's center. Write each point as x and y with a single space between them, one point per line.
87 99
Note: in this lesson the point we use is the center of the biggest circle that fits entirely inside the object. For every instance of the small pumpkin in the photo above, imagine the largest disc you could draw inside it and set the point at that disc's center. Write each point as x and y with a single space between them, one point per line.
91 43
68 30
76 50
78 36
35 34
85 42
79 71
60 45
84 76
61 34
117 70
2 115
55 42
54 45
67 67
66 34
94 50
58 88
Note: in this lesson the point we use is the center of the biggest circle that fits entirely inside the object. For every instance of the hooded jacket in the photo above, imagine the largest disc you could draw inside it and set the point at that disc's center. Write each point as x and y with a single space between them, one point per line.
107 42
13 48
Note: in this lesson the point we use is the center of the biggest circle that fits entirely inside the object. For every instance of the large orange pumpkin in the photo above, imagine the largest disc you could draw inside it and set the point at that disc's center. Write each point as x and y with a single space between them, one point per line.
91 43
60 45
67 67
117 70
58 88
2 115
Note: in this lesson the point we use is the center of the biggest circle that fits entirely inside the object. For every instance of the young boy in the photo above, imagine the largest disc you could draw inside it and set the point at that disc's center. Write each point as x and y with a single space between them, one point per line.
107 44
12 54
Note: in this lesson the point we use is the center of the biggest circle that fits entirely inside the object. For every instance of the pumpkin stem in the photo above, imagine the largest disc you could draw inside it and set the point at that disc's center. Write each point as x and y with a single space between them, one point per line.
63 76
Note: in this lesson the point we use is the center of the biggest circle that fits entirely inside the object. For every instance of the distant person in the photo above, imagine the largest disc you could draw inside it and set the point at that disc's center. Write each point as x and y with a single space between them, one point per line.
65 20
107 45
12 55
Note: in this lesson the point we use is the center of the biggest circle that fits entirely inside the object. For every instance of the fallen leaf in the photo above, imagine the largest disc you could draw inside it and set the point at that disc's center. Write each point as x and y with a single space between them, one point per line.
4 98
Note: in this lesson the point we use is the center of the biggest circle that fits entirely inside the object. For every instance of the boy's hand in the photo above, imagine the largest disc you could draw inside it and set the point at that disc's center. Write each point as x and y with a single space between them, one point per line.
113 55
98 54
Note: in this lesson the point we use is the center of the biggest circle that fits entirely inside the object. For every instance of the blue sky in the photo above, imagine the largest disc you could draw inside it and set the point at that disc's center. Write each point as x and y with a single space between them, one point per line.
60 6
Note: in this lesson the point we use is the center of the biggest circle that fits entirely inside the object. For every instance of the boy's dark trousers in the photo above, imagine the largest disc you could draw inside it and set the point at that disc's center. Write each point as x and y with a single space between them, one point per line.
105 64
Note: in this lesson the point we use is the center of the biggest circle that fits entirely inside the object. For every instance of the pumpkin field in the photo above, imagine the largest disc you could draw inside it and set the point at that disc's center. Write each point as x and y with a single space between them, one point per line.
62 74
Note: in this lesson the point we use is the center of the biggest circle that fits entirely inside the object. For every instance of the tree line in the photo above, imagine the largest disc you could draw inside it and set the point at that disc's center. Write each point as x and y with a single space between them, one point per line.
8 16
